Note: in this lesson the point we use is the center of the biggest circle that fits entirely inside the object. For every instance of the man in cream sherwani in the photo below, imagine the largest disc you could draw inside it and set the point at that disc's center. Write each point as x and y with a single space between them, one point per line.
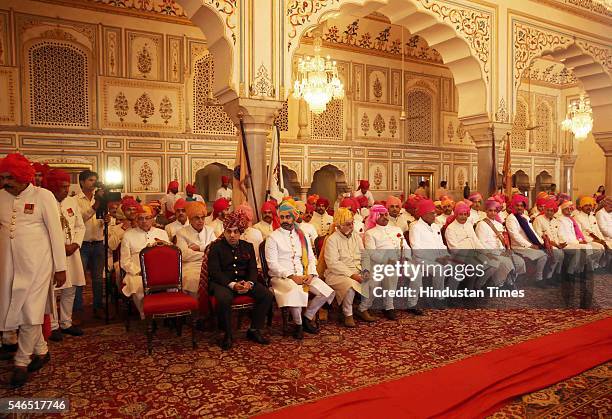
32 259
545 224
269 220
592 233
396 217
571 233
342 257
321 220
181 221
604 219
58 182
385 244
308 229
134 240
192 240
293 269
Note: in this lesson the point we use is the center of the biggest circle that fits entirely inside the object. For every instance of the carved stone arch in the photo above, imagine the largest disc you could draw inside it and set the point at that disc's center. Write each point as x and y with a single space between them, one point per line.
421 125
465 52
48 58
328 181
543 181
520 180
216 25
207 179
291 181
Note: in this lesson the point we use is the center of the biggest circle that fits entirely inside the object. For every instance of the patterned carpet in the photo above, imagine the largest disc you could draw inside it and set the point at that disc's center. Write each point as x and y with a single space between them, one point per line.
106 373
588 395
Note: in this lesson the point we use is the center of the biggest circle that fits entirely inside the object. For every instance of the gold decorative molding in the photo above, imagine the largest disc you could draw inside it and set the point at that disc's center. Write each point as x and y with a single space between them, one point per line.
589 9
8 87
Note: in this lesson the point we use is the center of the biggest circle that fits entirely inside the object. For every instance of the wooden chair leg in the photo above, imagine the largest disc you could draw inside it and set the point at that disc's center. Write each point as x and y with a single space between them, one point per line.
193 330
179 326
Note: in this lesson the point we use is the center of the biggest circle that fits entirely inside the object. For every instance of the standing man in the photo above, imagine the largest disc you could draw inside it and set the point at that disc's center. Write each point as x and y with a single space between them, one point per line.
92 251
32 259
167 202
232 271
293 270
466 191
181 221
321 220
364 190
308 229
40 173
224 191
192 240
442 192
58 182
421 190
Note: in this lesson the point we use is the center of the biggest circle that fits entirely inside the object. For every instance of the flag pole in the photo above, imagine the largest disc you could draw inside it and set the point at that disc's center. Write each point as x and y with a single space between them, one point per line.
248 161
493 181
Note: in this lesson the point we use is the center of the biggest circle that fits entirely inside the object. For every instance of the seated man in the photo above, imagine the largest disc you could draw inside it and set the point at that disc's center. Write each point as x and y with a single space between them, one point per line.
591 231
571 233
251 235
293 271
604 218
181 221
167 202
396 219
447 210
232 271
538 208
191 195
321 220
342 261
221 207
546 225
192 240
134 240
475 212
385 244
269 219
364 190
308 229
524 241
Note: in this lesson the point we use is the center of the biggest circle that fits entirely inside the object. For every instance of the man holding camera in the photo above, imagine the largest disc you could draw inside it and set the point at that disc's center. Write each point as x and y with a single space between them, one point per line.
92 251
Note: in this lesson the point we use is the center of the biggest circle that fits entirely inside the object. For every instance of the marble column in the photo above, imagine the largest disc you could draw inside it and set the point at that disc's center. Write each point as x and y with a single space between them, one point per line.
567 174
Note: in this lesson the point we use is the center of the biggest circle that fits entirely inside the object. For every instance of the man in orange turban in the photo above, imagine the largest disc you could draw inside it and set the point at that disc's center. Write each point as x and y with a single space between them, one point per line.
590 228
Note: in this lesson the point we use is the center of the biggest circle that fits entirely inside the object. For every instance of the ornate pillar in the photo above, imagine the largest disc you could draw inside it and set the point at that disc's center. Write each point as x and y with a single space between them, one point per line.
303 133
604 139
567 173
482 132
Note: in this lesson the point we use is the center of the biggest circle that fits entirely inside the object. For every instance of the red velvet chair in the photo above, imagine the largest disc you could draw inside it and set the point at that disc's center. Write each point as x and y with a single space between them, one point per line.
208 303
161 268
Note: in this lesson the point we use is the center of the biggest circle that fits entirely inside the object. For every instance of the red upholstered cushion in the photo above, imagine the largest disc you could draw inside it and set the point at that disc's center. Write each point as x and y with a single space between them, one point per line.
162 266
168 302
239 300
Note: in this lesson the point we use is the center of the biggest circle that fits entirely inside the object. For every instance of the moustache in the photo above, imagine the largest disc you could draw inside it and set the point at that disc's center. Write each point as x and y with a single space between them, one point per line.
286 224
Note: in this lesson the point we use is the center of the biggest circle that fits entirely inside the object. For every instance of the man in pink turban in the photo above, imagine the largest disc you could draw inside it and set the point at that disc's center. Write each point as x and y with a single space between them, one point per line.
269 219
385 244
547 225
225 191
396 217
321 220
571 233
364 190
476 214
32 256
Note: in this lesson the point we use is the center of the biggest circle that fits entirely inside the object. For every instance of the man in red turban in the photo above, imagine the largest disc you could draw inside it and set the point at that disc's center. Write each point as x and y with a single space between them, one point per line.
321 220
32 255
364 190
546 225
167 201
58 182
40 173
221 207
191 195
224 191
269 219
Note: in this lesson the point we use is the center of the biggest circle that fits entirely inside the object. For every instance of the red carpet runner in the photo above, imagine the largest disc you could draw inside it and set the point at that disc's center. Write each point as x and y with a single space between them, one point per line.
474 386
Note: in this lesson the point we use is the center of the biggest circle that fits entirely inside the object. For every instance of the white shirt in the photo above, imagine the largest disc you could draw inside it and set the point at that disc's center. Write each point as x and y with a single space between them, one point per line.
368 195
167 202
174 227
94 228
588 225
265 228
402 221
187 236
441 219
224 193
487 236
567 234
134 240
74 231
388 238
604 220
462 236
309 231
217 226
518 238
476 216
543 226
321 222
194 197
253 236
284 254
426 241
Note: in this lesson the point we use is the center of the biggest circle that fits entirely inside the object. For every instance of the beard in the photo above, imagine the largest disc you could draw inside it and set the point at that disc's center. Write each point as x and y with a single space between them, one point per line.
287 226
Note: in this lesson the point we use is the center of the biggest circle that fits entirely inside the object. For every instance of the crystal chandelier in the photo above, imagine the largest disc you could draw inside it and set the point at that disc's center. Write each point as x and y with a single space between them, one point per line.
317 80
578 119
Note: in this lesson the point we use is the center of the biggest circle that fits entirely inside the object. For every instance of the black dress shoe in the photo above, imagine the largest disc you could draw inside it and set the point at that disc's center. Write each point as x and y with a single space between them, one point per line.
255 336
308 326
5 356
227 342
416 311
8 348
298 333
73 331
56 336
390 314
19 377
38 362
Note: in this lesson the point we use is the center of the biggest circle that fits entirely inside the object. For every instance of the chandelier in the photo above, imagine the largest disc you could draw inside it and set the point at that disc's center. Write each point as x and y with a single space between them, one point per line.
578 119
317 80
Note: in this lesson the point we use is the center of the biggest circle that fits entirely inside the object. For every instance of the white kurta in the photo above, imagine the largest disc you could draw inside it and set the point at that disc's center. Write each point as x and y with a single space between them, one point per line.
265 228
476 216
224 193
495 247
74 233
253 236
604 220
31 250
216 226
343 259
402 221
174 227
167 202
284 258
134 240
192 259
321 223
309 231
368 195
588 225
518 238
441 219
462 236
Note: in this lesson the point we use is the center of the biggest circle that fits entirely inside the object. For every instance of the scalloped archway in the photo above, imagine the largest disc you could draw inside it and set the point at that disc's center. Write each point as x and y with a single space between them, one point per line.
456 53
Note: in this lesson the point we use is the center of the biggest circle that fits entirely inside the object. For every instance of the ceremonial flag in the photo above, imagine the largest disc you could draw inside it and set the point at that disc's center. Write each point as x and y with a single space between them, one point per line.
241 174
507 172
275 186
493 180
